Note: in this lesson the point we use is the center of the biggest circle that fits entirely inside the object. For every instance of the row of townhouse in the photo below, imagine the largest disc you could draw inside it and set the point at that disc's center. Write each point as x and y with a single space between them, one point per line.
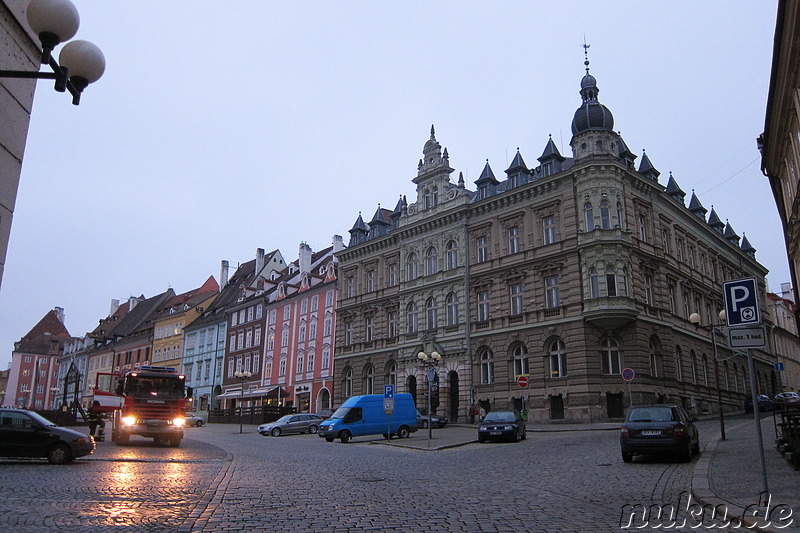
272 320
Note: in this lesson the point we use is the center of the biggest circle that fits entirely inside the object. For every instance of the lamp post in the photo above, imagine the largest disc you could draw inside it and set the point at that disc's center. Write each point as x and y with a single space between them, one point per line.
429 364
695 319
79 63
242 376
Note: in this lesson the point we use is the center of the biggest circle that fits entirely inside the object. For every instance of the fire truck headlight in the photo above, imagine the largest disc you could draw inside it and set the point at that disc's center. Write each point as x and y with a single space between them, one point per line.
179 421
128 420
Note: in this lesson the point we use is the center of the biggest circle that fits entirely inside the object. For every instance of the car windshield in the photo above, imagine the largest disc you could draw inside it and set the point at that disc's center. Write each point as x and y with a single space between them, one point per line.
500 416
284 418
341 412
40 419
653 414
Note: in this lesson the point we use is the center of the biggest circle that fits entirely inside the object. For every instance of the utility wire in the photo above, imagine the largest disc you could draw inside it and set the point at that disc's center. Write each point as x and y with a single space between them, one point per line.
733 176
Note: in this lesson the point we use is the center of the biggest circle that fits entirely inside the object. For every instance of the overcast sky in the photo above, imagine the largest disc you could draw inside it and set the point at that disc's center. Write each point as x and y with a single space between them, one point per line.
220 128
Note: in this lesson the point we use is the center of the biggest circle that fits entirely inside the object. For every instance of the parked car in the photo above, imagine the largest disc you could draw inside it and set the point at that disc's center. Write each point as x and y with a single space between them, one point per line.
497 425
27 434
436 420
659 429
786 397
192 420
298 423
764 404
325 413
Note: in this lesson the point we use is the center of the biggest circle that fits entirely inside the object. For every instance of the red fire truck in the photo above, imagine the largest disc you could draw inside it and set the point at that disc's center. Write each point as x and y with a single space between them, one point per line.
148 402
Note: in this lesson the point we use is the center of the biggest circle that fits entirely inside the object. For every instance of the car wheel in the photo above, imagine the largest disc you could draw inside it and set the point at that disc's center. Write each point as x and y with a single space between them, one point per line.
276 432
344 437
122 439
626 457
328 439
174 442
198 423
524 435
313 429
59 454
403 432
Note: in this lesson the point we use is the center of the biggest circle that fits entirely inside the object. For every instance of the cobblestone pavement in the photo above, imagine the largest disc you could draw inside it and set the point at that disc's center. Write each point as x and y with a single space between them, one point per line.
221 481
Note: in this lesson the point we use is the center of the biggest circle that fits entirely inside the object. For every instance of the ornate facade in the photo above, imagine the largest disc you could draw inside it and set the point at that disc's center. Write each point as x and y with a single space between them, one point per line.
538 289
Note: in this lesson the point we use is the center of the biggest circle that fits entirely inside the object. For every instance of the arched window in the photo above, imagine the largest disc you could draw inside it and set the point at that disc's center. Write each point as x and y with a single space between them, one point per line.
609 355
452 309
431 261
588 216
611 281
452 255
411 267
487 367
412 317
678 364
605 215
594 284
347 382
431 314
369 380
558 359
391 374
520 356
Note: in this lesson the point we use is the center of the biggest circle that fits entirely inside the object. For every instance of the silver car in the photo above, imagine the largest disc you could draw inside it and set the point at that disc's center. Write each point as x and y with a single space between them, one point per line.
299 423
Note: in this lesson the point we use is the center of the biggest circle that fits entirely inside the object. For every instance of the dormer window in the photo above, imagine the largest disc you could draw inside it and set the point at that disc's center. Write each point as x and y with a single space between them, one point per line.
482 192
427 202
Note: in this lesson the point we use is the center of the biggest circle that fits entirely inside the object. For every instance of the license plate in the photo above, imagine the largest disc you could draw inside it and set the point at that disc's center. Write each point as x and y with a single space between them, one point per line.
651 432
495 433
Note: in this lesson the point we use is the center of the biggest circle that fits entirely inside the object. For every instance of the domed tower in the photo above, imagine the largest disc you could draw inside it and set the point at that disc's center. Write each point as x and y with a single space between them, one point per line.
593 124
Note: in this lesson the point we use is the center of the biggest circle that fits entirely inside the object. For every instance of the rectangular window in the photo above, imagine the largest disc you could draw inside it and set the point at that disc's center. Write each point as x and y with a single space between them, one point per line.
371 281
272 316
552 294
515 295
348 332
314 303
312 331
232 345
482 245
302 334
483 306
304 306
394 324
648 289
370 325
230 368
285 336
287 312
250 313
249 339
513 240
394 271
327 326
259 311
329 298
257 337
521 366
256 361
240 339
549 229
326 359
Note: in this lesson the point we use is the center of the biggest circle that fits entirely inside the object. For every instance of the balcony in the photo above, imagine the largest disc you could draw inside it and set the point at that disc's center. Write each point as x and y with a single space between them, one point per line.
610 312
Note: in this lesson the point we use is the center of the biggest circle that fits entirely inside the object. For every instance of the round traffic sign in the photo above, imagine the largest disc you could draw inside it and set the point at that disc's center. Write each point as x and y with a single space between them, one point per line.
628 374
522 381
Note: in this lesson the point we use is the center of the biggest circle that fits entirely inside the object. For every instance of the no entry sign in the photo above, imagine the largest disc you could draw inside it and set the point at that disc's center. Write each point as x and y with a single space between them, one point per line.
522 381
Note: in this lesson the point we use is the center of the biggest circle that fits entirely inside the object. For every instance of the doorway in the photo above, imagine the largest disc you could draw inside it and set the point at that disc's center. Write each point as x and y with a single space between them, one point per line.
411 386
614 405
557 407
452 379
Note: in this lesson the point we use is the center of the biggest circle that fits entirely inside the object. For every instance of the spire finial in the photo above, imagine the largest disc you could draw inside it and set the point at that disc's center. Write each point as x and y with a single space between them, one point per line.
586 53
433 132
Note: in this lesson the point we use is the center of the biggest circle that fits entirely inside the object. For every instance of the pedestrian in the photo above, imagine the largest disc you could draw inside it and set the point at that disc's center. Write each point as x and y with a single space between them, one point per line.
482 413
95 418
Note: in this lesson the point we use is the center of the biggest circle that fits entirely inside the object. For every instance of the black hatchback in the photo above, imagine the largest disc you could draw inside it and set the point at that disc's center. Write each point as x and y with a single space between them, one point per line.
659 429
27 434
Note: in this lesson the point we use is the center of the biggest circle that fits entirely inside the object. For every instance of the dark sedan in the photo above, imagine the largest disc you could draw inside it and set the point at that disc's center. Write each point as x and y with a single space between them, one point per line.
764 404
433 420
27 434
659 429
502 425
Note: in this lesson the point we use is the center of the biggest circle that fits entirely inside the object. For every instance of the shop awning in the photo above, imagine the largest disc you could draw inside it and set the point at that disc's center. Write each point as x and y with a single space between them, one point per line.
256 393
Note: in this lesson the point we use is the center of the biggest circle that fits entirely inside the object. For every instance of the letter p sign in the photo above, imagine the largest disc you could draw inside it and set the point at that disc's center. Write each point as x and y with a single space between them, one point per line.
741 302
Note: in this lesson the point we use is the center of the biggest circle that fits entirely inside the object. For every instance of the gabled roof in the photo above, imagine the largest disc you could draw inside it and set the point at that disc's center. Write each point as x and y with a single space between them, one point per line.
673 189
46 337
517 164
382 216
646 168
487 175
550 152
696 207
360 225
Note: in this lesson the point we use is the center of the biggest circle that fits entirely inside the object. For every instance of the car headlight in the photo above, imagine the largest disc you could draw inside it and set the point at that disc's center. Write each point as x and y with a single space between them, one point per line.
508 428
483 428
128 420
178 421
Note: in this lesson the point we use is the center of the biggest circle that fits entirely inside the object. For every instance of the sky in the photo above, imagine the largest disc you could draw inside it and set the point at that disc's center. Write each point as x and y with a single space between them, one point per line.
214 132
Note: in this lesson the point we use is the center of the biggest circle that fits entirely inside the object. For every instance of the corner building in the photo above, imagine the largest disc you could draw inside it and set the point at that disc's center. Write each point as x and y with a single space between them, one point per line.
565 273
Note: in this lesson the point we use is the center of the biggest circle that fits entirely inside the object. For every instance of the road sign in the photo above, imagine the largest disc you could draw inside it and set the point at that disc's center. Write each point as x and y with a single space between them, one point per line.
747 337
741 302
388 405
778 367
522 381
388 391
628 374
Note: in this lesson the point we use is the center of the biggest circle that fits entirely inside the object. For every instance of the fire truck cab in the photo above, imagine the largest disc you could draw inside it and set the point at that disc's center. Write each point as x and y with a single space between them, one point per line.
153 402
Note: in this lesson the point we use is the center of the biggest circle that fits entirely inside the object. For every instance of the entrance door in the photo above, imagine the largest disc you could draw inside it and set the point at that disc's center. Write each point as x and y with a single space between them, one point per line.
615 406
411 385
452 379
557 407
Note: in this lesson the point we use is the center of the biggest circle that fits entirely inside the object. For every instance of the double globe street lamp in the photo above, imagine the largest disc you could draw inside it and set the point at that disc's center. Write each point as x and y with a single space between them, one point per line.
695 319
79 63
243 377
429 364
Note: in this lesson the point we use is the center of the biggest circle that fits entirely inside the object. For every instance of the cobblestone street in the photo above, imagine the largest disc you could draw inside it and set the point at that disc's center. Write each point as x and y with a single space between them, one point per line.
219 480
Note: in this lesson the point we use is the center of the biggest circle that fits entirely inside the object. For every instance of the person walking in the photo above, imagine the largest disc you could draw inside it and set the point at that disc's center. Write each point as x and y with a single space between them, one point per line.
95 417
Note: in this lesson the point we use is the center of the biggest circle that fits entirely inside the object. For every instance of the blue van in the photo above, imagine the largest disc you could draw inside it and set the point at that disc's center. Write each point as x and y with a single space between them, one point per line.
365 415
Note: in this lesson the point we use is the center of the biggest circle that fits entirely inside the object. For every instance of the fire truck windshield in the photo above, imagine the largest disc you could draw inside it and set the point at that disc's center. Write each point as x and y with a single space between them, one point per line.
154 387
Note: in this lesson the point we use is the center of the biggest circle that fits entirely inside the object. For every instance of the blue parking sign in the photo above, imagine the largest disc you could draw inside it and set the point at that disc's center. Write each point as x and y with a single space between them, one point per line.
741 302
388 391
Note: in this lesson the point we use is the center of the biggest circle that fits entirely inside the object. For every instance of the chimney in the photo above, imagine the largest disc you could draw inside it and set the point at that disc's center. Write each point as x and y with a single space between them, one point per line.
305 257
132 302
114 307
338 243
223 274
259 260
59 313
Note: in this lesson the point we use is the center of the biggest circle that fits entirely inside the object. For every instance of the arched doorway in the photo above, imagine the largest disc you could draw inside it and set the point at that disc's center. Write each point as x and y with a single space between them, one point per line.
323 400
411 386
452 380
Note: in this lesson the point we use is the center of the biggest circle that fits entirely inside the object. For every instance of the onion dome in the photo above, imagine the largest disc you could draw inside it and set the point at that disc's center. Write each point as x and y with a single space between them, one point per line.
591 115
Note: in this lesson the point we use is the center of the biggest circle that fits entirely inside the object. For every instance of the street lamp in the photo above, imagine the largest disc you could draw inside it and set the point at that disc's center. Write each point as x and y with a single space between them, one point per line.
429 364
79 63
695 319
243 376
